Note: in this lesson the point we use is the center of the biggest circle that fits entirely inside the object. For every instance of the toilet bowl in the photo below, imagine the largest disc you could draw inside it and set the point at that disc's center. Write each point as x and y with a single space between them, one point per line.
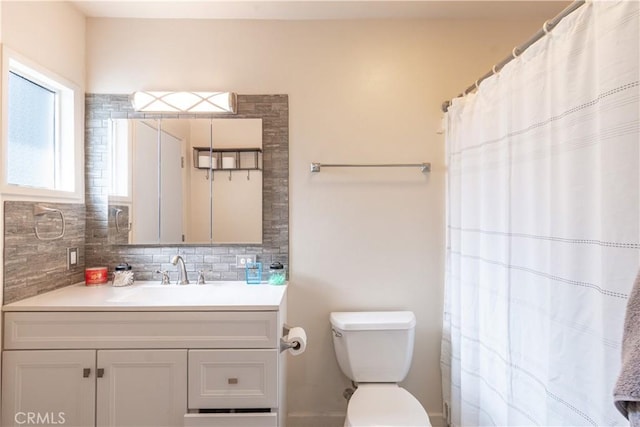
375 350
384 405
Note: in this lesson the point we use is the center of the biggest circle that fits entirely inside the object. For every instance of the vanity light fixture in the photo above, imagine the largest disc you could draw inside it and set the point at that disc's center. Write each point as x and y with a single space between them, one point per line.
184 102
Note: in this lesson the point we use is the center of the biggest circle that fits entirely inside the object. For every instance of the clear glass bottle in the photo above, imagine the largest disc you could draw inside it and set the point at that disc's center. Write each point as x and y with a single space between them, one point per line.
123 276
277 274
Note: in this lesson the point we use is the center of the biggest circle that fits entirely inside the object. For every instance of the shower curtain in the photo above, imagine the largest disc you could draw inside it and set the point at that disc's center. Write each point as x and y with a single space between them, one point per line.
543 227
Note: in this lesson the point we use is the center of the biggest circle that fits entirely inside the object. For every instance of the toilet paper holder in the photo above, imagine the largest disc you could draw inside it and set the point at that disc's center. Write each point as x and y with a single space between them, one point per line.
288 345
284 345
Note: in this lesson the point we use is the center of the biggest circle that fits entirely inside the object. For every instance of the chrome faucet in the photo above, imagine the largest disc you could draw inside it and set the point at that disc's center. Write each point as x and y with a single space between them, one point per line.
182 270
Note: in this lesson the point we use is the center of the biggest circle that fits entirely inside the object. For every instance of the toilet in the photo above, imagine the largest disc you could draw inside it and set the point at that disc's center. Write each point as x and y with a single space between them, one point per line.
374 349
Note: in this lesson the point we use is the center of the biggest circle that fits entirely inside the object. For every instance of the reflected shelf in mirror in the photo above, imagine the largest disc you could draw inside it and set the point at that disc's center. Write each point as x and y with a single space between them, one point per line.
216 159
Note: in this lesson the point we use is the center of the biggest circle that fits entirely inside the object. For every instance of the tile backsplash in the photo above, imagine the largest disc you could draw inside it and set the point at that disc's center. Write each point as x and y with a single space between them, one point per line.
33 266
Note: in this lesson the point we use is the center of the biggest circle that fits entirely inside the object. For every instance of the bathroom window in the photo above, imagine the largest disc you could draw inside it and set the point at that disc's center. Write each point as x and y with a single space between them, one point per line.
42 142
33 145
120 153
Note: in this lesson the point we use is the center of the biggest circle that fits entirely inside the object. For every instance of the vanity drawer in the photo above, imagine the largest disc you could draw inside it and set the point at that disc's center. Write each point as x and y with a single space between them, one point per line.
231 420
230 379
188 329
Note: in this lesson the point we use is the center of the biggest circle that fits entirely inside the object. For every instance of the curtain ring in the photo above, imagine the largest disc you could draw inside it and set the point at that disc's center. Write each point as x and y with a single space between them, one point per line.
545 27
494 69
515 52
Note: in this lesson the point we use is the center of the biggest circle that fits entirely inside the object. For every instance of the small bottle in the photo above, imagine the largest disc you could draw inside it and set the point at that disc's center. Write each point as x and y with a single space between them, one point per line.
277 274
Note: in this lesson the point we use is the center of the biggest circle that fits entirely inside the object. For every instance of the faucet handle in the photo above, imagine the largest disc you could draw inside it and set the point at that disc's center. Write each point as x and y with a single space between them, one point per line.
166 280
201 277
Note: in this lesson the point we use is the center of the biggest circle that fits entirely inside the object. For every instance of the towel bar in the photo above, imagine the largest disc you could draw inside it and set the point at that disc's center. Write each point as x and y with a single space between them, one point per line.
424 167
39 210
116 219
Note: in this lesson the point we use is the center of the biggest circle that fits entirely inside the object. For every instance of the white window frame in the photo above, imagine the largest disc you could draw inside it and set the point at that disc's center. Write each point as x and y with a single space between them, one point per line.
117 168
69 133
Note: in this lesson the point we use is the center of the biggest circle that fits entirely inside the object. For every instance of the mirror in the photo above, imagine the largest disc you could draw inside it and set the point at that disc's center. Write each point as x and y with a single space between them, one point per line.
175 181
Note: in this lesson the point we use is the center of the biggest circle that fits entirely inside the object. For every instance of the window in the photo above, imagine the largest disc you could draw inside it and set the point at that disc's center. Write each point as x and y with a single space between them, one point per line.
42 146
119 164
31 154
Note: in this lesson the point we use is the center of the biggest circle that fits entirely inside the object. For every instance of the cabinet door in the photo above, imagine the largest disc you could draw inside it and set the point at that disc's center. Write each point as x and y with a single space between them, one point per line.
141 388
48 387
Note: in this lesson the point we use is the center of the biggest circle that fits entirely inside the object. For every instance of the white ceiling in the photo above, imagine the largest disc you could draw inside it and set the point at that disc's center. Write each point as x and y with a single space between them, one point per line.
303 9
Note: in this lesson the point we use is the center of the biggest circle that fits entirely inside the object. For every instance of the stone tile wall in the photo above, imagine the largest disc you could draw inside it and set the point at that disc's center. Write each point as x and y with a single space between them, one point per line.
33 266
218 260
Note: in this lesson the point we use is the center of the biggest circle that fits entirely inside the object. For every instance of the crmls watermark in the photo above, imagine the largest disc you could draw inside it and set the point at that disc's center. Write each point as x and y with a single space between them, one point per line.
35 418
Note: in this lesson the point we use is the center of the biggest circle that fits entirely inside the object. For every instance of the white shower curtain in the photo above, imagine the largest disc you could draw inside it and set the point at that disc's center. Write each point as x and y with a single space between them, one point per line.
543 217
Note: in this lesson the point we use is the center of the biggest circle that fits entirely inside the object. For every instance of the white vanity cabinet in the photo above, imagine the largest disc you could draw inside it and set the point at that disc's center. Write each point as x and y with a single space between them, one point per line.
87 387
141 366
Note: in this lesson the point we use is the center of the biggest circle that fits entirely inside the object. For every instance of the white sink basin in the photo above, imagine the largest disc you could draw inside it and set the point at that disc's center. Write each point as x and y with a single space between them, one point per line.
161 294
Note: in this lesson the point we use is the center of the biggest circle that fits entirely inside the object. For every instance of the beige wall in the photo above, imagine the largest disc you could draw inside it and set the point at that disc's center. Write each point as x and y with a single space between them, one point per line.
50 33
366 91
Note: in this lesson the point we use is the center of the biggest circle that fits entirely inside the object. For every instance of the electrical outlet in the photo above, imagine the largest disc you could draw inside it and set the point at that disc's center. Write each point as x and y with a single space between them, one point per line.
72 257
242 260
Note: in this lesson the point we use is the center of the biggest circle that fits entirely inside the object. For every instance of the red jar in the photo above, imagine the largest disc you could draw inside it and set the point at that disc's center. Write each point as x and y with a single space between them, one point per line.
95 276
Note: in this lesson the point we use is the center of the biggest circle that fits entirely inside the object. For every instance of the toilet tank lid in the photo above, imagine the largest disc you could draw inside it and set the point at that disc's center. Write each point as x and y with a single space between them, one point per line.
373 320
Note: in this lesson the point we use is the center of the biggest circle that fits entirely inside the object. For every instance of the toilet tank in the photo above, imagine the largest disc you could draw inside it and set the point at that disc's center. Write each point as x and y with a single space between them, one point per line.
374 346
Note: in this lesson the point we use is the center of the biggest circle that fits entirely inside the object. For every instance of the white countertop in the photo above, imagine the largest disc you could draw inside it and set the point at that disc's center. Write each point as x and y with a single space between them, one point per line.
151 296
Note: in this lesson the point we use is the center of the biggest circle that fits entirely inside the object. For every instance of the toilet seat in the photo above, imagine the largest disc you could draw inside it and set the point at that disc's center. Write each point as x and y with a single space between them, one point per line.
385 405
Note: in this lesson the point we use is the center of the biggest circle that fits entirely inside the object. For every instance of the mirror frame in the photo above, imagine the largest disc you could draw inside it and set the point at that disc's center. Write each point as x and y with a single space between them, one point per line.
274 112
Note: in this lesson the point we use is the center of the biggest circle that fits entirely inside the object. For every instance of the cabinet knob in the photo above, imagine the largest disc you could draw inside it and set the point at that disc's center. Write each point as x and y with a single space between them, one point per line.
86 372
232 381
100 372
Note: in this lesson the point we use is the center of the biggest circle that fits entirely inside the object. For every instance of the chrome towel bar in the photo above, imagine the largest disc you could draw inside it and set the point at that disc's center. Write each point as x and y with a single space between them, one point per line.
116 218
424 167
39 210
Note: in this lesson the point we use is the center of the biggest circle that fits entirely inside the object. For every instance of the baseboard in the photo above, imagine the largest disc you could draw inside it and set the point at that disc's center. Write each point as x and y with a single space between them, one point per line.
437 420
305 419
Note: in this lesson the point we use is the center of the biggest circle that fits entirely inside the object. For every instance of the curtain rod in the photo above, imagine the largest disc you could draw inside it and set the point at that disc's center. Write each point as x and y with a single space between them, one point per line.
518 50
